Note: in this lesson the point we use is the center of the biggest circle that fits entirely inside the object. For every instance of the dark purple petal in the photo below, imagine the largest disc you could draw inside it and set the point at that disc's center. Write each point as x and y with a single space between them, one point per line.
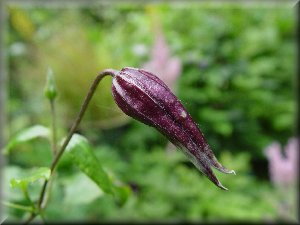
143 96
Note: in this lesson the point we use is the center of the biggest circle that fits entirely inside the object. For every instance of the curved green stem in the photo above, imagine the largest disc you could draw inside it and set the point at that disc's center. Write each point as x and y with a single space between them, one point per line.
71 132
81 113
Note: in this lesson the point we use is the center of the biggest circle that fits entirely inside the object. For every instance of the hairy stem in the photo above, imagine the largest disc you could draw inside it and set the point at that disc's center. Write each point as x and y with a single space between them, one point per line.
70 134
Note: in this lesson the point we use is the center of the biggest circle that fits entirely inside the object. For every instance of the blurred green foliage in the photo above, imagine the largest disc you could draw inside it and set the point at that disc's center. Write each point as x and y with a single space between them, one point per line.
237 82
164 188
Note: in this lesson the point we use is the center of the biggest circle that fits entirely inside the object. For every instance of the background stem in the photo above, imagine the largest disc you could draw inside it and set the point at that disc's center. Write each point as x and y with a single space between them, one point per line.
54 149
17 206
54 136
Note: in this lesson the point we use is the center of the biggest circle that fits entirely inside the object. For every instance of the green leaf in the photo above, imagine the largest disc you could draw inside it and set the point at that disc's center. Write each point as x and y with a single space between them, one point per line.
39 173
85 159
83 188
122 193
120 190
27 135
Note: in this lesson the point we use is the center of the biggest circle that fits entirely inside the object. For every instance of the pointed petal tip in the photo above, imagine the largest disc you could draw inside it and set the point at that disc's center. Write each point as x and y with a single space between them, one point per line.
221 168
233 172
226 171
222 187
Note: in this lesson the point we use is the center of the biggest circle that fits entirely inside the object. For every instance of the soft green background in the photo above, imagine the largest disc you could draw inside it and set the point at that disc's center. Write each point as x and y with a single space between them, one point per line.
237 82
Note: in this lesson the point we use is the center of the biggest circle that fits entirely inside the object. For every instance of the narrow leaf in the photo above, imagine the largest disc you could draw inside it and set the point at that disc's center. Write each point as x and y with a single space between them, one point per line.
27 135
87 162
39 173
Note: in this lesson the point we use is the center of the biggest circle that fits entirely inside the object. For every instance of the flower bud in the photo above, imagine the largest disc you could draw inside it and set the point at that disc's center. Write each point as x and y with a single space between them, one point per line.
50 88
144 97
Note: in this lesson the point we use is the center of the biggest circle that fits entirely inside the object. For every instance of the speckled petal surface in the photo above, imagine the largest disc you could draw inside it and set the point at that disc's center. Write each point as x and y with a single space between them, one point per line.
144 97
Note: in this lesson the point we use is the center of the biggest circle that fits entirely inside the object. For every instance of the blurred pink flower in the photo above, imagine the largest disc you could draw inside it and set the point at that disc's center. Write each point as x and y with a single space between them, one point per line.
283 169
167 68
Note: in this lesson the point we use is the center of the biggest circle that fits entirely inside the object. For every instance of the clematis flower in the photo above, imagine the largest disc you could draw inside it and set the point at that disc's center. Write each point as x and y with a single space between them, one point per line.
283 168
167 67
144 97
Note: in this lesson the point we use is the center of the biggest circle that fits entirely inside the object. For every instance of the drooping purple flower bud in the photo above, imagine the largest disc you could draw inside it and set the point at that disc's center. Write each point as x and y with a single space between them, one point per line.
144 97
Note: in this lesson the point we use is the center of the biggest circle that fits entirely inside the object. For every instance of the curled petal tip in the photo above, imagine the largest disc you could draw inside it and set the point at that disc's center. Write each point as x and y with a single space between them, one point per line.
222 187
230 172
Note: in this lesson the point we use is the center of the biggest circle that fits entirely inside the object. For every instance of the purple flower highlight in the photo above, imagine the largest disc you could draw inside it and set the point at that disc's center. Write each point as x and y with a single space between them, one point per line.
283 168
166 67
144 97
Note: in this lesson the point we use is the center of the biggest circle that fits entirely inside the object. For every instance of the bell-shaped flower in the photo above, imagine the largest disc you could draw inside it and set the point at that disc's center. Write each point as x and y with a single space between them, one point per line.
146 98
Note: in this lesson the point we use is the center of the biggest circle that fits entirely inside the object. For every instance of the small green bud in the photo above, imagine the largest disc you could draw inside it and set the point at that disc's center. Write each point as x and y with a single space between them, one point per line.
50 90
